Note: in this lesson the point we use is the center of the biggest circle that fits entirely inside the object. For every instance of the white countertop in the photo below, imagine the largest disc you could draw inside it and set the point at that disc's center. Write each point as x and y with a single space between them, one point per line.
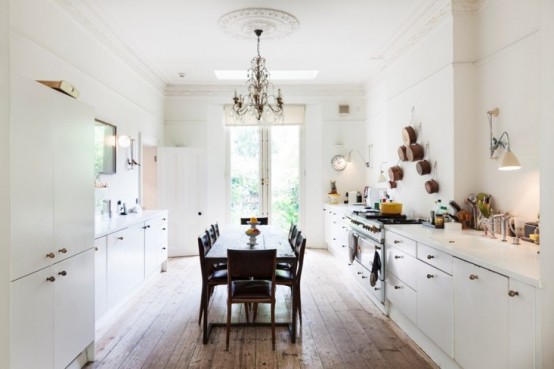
521 262
105 226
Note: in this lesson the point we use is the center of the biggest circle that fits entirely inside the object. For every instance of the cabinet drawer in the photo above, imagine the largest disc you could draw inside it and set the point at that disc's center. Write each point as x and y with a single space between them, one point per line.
434 257
362 276
400 242
401 296
402 266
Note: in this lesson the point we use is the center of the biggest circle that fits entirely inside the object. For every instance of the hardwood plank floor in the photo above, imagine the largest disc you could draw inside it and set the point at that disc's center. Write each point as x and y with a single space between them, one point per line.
158 328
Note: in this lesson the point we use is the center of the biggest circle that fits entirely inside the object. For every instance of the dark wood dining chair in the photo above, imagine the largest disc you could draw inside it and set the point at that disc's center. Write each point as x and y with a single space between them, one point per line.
216 229
211 276
251 280
261 220
292 277
211 232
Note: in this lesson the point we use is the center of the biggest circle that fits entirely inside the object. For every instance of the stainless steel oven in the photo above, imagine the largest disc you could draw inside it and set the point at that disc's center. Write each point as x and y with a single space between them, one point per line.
368 263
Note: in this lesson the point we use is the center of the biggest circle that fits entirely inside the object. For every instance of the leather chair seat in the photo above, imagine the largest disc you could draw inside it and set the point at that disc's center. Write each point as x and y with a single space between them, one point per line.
283 275
251 289
218 275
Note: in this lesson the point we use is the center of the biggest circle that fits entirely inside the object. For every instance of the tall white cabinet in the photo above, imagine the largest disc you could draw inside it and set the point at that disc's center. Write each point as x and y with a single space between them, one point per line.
181 190
52 226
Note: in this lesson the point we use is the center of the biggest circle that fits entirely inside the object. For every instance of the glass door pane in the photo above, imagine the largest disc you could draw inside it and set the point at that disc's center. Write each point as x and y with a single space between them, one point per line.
284 174
245 172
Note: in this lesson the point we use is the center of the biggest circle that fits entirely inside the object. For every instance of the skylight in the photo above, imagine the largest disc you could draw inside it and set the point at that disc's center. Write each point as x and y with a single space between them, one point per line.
296 75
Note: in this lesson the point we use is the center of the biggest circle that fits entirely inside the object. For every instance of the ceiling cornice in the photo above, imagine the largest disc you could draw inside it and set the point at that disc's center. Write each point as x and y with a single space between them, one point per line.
225 91
466 6
101 30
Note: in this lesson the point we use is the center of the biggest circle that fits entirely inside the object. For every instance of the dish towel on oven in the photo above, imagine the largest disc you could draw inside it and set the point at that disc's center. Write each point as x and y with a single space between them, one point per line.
375 268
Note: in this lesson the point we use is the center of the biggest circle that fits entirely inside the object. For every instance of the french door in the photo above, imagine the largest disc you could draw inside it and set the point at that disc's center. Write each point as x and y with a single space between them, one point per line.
264 169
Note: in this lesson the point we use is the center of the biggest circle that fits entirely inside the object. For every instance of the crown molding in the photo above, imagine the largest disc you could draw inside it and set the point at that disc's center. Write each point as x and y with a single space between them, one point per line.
225 91
466 6
93 23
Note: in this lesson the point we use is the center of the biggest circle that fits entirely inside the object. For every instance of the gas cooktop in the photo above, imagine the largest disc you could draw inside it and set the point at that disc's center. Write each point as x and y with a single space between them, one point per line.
372 214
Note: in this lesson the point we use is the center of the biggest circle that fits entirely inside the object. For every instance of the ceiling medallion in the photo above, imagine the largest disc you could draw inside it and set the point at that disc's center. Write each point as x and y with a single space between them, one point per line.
242 23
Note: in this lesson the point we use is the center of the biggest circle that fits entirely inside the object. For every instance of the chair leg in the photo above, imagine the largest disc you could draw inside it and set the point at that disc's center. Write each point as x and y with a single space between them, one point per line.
229 305
201 306
272 325
299 303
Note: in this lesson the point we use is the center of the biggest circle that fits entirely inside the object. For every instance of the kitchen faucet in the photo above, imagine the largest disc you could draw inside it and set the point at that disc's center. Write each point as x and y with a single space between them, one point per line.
504 219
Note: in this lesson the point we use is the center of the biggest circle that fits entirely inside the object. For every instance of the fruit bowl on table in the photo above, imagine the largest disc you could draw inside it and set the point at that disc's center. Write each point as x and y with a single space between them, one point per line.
252 232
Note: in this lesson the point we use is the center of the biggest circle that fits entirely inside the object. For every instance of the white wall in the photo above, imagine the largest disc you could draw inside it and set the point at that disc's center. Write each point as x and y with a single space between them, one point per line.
467 64
546 304
47 43
196 120
4 186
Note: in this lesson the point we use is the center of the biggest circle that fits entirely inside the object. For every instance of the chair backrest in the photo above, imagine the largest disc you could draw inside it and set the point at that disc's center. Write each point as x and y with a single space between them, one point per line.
293 236
300 248
211 233
292 230
246 264
216 229
203 248
261 220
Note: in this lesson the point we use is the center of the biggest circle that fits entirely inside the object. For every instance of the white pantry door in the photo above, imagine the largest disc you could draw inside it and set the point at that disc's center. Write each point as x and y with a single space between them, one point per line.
181 184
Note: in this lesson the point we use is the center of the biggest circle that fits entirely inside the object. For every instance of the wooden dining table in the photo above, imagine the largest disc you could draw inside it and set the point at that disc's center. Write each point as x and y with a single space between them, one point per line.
234 237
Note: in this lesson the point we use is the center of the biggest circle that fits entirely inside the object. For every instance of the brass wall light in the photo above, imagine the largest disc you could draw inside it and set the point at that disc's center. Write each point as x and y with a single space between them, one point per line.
508 161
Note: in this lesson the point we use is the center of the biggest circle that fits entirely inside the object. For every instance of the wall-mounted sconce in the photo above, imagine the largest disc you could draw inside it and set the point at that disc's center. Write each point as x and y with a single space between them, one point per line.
126 141
381 177
349 157
508 161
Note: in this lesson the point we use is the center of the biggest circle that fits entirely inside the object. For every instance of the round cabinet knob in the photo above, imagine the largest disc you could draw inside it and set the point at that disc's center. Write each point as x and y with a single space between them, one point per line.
429 257
163 229
163 248
429 276
51 255
63 250
397 241
397 257
513 293
120 238
164 219
199 213
473 277
397 287
51 279
62 273
364 276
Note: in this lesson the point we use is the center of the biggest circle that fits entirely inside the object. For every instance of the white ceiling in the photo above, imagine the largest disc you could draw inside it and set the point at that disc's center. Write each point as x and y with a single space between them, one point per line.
345 40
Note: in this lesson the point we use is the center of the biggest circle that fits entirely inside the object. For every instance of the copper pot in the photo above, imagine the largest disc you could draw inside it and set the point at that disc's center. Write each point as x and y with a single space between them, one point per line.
409 135
415 152
423 167
432 186
396 173
392 184
402 153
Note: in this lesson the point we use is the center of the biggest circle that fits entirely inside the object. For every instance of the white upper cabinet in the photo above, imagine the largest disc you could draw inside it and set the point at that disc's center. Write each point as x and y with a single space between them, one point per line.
52 177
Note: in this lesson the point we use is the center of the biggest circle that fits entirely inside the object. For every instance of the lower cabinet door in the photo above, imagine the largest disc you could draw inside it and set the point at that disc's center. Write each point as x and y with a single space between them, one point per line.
32 321
100 277
401 296
480 317
73 307
522 323
434 306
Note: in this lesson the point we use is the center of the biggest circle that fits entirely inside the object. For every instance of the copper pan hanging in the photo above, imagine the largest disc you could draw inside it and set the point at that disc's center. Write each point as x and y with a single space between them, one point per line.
409 135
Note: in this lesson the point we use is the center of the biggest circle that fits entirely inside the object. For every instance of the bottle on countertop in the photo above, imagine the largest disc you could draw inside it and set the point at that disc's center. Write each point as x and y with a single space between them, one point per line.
440 212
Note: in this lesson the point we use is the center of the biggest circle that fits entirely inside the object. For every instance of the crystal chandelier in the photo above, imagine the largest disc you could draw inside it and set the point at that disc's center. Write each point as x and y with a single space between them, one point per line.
259 103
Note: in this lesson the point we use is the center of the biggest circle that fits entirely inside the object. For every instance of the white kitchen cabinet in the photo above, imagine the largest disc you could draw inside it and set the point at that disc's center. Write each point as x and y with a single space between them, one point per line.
52 317
336 232
401 274
100 276
181 190
155 244
51 193
480 317
73 307
51 226
434 305
125 262
521 325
